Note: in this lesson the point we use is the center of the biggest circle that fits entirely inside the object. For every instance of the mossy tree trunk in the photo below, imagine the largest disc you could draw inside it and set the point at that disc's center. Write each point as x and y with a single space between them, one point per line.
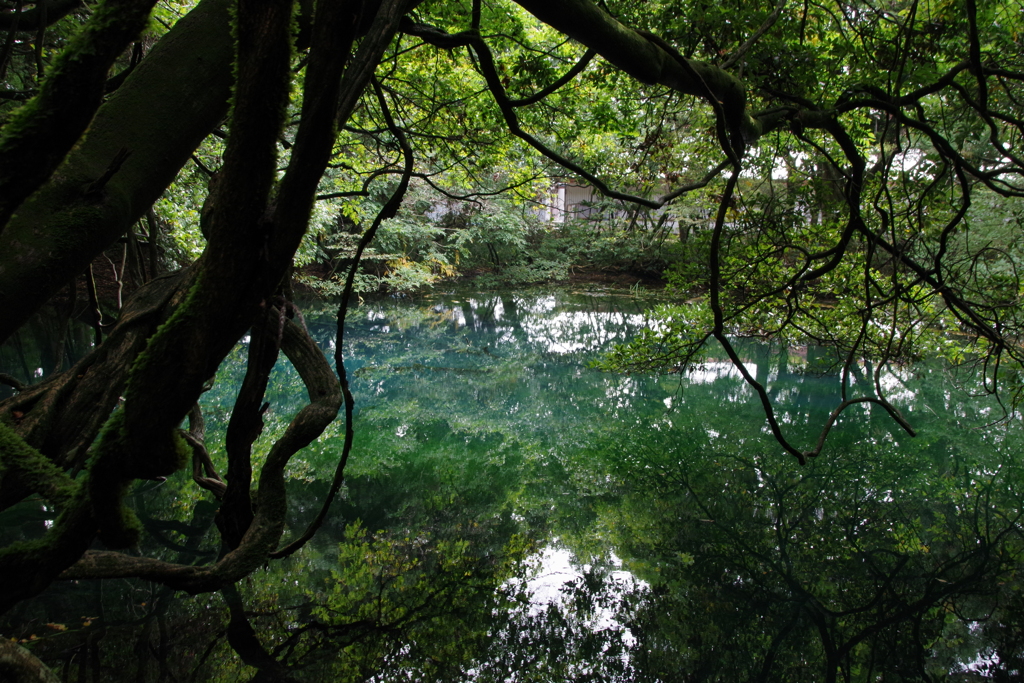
178 330
174 335
161 113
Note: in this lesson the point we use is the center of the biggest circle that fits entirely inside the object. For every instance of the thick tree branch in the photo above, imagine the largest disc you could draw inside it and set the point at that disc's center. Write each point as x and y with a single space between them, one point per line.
647 61
232 281
12 381
32 470
40 133
141 441
169 103
62 415
246 424
264 532
18 665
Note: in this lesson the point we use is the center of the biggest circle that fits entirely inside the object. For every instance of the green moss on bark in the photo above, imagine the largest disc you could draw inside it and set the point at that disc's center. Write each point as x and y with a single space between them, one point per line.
32 469
165 108
39 135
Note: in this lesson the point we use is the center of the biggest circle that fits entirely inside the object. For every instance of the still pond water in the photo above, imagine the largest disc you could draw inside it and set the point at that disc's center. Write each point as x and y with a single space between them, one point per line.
512 514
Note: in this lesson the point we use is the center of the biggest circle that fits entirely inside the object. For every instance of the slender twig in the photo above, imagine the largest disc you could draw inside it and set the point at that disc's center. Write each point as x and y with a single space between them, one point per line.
749 42
389 210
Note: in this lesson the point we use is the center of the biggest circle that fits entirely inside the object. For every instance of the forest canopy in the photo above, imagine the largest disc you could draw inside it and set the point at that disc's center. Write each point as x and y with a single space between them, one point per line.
842 173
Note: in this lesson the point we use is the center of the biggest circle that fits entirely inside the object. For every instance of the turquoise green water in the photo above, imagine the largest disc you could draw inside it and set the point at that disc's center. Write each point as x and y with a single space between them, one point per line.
660 524
512 514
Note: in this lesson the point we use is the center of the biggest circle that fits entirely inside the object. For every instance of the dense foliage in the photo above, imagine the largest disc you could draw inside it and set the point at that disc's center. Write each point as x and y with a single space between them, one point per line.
841 173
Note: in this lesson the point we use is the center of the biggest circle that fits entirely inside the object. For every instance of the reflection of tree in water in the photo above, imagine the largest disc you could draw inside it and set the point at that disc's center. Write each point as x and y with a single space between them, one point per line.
872 562
849 569
885 557
419 594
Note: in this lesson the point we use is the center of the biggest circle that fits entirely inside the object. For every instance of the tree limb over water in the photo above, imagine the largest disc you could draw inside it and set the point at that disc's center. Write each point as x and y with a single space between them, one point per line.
866 249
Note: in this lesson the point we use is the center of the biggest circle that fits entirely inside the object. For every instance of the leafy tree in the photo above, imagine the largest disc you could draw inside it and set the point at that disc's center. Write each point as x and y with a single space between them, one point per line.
888 121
